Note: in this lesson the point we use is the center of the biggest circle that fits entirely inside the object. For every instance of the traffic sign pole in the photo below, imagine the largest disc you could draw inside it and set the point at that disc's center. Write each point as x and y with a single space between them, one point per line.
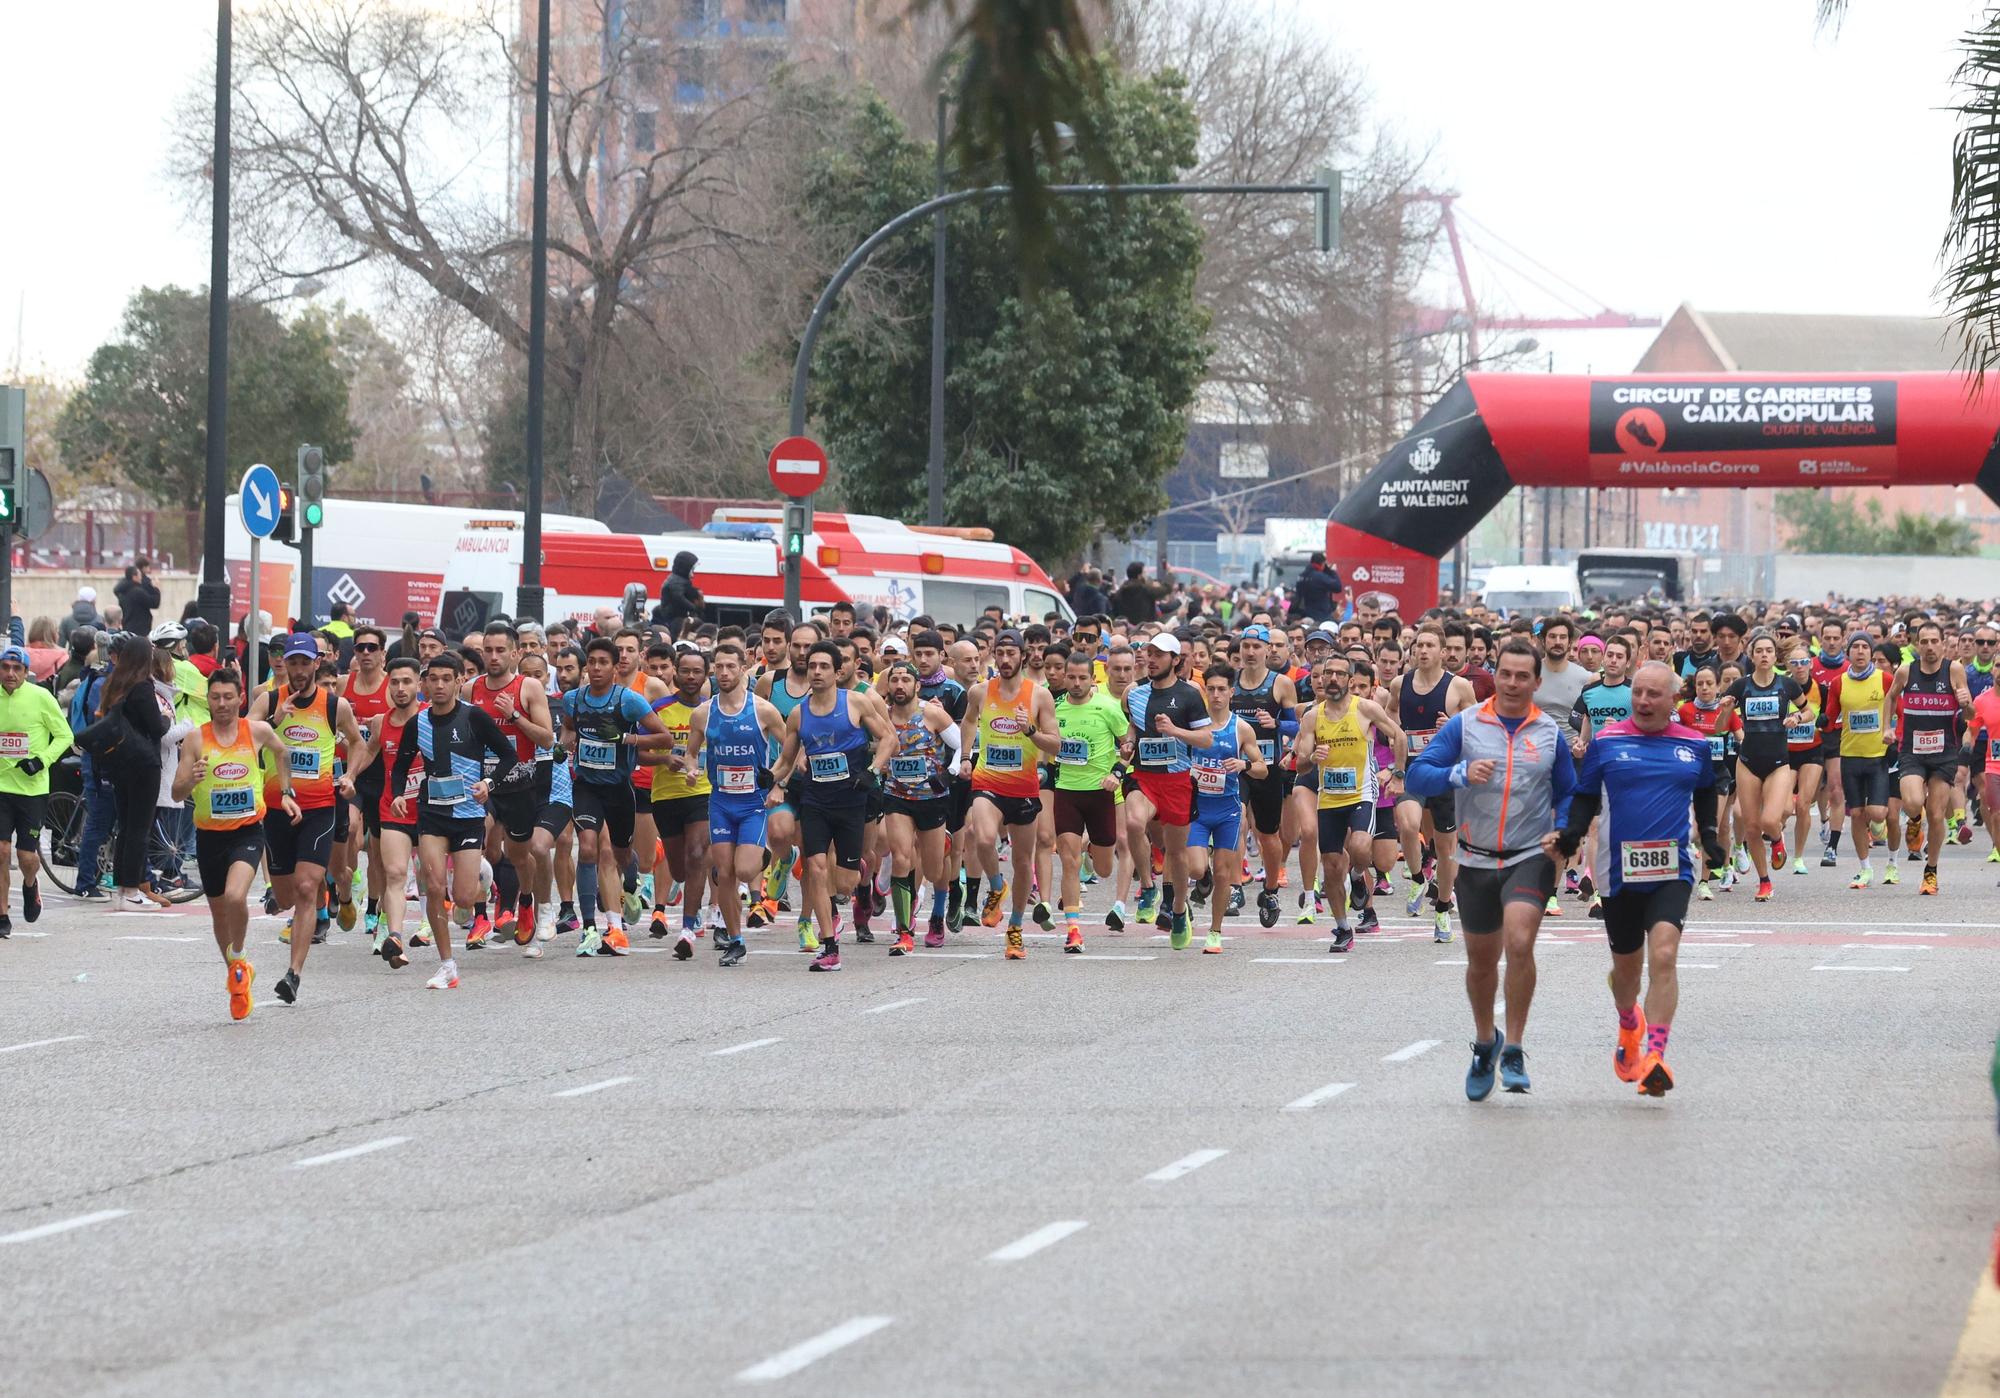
259 500
251 679
797 467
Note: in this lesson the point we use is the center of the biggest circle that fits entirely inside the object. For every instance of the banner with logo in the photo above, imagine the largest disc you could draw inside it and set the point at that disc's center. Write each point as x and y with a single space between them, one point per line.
1432 487
1746 430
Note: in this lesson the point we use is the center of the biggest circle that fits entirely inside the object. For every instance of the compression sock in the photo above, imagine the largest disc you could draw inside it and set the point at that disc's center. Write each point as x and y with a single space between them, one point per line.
586 892
1629 1019
906 895
1833 841
479 908
507 884
1656 1038
938 894
374 907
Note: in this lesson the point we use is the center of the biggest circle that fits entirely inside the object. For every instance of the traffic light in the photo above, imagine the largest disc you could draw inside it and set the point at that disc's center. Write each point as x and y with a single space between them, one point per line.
312 487
10 487
795 531
287 531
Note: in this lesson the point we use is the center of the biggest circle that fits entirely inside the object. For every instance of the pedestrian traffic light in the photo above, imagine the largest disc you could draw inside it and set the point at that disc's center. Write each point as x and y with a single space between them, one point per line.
795 531
312 487
288 516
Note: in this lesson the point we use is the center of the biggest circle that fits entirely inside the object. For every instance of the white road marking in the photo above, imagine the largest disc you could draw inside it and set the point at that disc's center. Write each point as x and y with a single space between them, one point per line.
49 1230
1186 1165
1716 946
1409 1051
1861 968
1905 934
1097 956
1047 1236
348 1154
1316 1096
39 1043
1449 963
1700 965
892 1005
1879 946
789 1362
744 1048
590 1087
1297 961
958 955
158 939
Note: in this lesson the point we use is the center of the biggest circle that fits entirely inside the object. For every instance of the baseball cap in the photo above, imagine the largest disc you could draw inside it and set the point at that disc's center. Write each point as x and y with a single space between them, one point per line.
299 643
894 646
1167 642
14 653
1325 633
431 633
1009 637
1256 632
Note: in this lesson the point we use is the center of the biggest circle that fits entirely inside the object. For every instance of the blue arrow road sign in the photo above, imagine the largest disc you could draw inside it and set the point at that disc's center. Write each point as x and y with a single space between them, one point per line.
257 501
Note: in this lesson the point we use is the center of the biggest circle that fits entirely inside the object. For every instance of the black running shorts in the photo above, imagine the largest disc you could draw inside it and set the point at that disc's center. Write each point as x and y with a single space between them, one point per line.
1632 912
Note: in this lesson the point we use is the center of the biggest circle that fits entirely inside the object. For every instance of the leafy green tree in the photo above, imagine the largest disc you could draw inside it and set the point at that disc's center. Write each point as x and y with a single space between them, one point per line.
1818 522
140 417
1065 409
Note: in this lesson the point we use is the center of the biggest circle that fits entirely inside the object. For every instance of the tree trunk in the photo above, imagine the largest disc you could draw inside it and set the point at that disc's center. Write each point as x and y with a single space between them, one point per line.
586 448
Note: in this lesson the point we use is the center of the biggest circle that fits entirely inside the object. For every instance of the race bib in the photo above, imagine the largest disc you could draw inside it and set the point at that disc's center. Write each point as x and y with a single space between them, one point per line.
1074 752
305 762
736 781
1993 749
413 784
446 791
828 766
1717 745
1268 748
909 769
1418 741
1801 732
1157 749
1865 721
1927 742
14 745
597 755
231 802
1211 781
1003 759
1649 861
1761 706
1342 779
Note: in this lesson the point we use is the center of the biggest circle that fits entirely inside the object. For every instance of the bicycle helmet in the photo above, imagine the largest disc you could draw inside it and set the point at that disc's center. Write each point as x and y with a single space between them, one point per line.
167 633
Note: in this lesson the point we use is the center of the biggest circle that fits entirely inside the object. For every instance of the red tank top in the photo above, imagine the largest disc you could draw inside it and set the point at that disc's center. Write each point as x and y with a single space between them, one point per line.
393 734
367 707
485 697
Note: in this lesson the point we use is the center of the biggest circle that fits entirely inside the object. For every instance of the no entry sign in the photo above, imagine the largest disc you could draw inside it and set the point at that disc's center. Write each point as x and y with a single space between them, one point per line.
797 466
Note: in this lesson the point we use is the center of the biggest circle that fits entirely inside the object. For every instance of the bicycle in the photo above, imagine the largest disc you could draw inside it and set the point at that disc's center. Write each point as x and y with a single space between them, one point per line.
62 837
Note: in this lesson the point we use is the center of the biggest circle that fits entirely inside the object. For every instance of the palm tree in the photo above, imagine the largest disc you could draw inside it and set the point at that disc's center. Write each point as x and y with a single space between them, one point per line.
1971 249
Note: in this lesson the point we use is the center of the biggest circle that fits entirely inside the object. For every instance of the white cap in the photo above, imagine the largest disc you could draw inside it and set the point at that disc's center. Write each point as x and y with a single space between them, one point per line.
893 645
1166 641
86 594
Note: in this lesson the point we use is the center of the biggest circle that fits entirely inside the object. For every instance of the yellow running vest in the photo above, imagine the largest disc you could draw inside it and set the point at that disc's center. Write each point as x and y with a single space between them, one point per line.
1343 774
230 794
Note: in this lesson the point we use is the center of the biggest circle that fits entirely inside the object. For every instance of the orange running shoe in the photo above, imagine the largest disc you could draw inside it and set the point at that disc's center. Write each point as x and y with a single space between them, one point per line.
1929 885
905 944
1073 943
1625 1058
1652 1076
524 925
1913 833
477 934
989 916
1159 861
616 943
242 975
1015 950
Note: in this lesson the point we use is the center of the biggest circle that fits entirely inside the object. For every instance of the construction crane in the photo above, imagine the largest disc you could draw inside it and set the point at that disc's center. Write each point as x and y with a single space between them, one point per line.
1470 320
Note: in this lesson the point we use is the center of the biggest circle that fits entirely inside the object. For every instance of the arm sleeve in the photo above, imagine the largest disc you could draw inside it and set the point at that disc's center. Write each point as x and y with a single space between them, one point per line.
1288 723
1579 713
1563 782
1431 771
1705 803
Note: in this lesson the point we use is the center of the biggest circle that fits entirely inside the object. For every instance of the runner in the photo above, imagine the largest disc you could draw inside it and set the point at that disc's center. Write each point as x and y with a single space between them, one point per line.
1424 698
34 734
450 806
826 740
1719 725
936 685
730 738
1218 804
915 796
1334 739
1766 699
1009 717
1828 666
1804 750
395 838
603 723
308 719
1982 739
1859 698
1512 773
1644 773
786 689
521 835
365 688
642 668
1931 697
1268 702
1121 672
1090 769
218 771
1168 717
680 798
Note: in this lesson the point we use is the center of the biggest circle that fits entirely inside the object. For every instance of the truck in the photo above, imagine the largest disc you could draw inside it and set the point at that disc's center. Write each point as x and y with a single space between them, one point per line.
1535 589
1624 575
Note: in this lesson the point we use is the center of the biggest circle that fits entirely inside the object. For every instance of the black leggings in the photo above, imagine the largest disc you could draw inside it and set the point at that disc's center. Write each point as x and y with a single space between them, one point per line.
138 793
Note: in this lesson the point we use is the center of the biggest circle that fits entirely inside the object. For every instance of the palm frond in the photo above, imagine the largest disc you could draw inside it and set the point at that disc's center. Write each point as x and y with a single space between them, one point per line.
1970 283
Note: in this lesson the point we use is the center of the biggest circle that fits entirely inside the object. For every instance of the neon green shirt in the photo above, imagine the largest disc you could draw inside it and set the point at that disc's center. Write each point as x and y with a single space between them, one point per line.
1090 734
32 724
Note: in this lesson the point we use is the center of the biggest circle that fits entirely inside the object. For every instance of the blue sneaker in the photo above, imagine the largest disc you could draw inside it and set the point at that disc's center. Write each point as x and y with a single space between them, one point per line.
1514 1068
1149 903
1479 1077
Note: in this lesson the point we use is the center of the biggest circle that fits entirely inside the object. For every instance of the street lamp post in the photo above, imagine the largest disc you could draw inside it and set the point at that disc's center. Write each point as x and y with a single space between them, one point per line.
213 595
528 601
935 514
1326 193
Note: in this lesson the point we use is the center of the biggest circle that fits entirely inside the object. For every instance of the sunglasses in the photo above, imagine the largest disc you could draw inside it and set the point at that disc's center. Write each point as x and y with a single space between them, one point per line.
363 647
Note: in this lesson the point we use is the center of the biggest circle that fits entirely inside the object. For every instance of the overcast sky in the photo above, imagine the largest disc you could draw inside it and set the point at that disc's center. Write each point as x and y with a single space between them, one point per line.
1721 152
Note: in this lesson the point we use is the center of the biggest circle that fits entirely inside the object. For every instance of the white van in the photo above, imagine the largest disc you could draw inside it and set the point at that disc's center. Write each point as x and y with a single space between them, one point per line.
1531 589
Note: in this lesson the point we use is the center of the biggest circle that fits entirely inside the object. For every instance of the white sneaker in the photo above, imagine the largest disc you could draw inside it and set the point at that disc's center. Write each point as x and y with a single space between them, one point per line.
545 924
138 904
445 979
533 951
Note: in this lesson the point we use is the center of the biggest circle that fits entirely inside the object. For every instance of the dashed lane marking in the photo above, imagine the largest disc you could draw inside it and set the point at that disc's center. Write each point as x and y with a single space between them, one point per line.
66 1225
1044 1237
369 1148
744 1048
591 1087
789 1362
1186 1165
1315 1097
43 1043
1409 1051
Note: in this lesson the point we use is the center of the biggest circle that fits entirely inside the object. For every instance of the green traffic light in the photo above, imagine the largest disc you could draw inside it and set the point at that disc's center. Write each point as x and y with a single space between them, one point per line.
315 515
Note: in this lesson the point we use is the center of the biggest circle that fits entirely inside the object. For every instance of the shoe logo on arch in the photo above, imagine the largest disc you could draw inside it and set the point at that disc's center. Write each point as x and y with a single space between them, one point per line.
1641 432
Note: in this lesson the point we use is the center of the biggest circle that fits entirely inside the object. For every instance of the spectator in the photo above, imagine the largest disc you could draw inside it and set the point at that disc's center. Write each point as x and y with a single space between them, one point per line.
137 596
263 647
405 644
679 597
82 612
134 767
1137 600
202 641
1086 593
114 617
340 625
82 642
1318 592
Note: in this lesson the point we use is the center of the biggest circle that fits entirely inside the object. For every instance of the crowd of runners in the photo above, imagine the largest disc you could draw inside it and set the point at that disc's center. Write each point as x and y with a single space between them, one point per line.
883 784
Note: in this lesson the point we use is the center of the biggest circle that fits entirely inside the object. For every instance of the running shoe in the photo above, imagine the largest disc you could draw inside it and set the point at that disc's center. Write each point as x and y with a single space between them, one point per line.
1088 876
445 979
1778 852
1705 893
392 952
371 923
319 932
1044 917
732 952
616 943
1554 906
1073 943
31 901
994 908
532 951
288 988
934 935
1889 874
1862 877
1180 935
1163 919
1485 1057
635 906
591 943
1798 864
684 945
270 901
808 941
1513 1068
904 945
674 892
1742 858
1235 900
1343 939
862 931
1203 886
524 926
242 976
480 930
1159 861
1149 903
1993 855
1570 885
1369 922
1585 887
1652 1076
1115 917
1763 890
347 916
1267 908
658 929
1016 950
420 938
1441 925
1381 885
566 923
761 912
1213 946
1630 1048
1964 836
1913 834
1414 898
1878 830
1828 859
285 932
954 906
1308 904
1929 885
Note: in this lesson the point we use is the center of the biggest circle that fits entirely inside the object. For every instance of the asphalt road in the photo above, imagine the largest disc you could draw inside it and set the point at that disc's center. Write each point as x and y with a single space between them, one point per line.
1136 1171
